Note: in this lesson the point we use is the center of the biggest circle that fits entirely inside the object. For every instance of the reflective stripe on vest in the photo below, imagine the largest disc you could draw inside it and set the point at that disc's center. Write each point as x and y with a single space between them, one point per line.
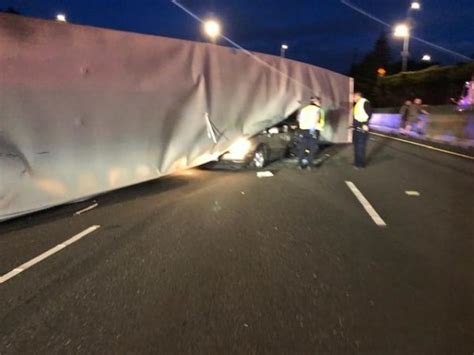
359 111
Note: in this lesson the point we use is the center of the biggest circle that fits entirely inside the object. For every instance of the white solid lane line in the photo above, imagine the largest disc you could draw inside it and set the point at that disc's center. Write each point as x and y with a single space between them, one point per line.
47 254
424 146
366 204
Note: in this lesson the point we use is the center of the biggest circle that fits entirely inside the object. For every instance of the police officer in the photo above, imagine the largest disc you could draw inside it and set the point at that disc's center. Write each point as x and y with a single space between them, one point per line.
362 116
311 121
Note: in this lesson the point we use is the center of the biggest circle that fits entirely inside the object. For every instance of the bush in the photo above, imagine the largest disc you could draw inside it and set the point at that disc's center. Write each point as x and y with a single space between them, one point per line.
435 85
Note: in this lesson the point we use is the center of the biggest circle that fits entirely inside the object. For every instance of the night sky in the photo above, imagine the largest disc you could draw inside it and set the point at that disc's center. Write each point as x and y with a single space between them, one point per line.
325 33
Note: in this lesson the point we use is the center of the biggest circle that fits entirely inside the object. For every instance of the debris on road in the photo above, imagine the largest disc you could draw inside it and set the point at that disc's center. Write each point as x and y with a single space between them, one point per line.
87 209
318 162
412 193
264 174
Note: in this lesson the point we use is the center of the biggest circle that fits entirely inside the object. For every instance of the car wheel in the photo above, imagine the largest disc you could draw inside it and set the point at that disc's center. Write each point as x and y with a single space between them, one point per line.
259 159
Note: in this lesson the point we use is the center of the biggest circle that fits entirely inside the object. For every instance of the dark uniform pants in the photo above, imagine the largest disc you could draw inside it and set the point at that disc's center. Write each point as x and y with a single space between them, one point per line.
308 147
359 138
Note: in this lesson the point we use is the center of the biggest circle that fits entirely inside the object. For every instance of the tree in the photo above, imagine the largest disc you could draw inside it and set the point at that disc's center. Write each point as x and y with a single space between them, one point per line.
11 10
365 72
381 53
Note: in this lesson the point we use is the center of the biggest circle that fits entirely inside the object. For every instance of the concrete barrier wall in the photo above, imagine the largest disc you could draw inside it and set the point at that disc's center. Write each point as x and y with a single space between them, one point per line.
443 124
86 110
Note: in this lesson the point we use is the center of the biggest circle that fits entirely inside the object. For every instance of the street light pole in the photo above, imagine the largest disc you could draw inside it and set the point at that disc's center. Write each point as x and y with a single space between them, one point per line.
405 52
403 31
415 6
284 48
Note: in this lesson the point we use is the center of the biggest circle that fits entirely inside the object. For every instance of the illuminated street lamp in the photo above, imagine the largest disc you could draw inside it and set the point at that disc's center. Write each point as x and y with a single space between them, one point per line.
61 18
212 29
403 31
415 5
426 58
284 48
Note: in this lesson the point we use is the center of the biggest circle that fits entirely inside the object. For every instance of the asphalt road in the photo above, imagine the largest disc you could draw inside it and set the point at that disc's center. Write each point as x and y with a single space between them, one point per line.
222 262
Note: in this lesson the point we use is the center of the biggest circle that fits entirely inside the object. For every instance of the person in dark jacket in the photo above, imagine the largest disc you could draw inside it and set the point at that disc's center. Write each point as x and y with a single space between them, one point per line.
361 117
404 116
414 120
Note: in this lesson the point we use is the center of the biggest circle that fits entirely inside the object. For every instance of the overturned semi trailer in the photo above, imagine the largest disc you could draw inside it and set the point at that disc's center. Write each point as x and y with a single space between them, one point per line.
86 110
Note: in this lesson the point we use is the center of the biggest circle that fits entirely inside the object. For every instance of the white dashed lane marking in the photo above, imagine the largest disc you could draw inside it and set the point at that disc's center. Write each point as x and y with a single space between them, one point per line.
47 254
366 204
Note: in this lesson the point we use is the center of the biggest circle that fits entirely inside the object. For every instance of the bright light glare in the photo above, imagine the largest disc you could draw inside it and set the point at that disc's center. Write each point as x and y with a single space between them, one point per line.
61 18
426 58
240 149
402 31
212 28
284 46
381 71
415 5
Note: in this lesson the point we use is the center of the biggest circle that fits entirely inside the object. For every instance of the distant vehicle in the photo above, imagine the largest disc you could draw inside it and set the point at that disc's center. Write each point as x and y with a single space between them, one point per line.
466 101
256 152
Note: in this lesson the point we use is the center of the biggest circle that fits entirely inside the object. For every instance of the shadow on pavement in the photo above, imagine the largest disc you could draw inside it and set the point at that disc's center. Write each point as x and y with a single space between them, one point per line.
376 154
146 189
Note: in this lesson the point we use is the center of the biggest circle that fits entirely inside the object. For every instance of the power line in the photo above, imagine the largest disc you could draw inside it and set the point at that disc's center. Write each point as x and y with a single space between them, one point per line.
376 19
238 46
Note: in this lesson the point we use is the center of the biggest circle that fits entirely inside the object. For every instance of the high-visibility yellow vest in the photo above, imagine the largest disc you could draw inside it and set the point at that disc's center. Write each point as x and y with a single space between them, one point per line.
312 117
359 111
